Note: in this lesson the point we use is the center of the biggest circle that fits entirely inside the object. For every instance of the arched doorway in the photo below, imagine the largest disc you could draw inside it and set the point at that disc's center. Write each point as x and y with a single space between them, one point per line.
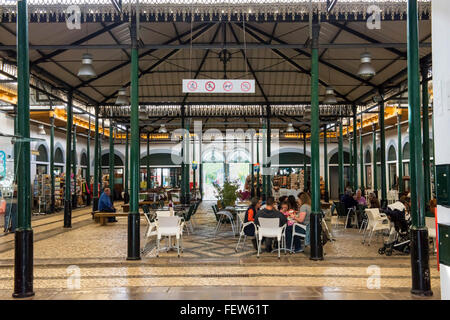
59 161
42 160
165 169
118 174
334 173
213 162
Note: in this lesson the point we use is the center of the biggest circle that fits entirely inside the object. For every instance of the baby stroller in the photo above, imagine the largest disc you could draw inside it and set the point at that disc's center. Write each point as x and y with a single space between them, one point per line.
399 238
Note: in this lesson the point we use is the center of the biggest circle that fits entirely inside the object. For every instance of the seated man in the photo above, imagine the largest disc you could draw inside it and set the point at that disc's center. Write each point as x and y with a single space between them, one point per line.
105 204
270 212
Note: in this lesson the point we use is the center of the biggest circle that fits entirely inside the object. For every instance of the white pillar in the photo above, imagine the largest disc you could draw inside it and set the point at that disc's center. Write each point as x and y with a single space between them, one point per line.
441 107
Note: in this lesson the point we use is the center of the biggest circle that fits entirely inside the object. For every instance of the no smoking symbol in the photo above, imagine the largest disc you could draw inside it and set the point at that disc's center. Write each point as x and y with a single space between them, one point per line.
246 86
192 85
228 86
210 86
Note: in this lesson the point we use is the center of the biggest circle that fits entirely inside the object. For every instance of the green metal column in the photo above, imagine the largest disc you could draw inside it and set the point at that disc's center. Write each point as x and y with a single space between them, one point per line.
341 160
23 249
382 153
194 168
100 162
264 159
149 179
305 174
355 151
88 168
258 175
126 175
400 154
374 158
96 163
200 165
268 154
187 167
252 166
325 164
68 182
316 214
350 148
420 268
52 162
426 141
133 216
361 156
111 159
74 166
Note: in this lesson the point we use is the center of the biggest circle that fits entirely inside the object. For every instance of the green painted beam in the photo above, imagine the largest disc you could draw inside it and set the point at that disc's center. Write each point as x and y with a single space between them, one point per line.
341 160
23 244
133 252
420 269
401 187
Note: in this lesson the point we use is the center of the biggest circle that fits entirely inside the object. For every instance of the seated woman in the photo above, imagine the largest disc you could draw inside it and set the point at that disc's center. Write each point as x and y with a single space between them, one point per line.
373 201
302 217
359 198
250 216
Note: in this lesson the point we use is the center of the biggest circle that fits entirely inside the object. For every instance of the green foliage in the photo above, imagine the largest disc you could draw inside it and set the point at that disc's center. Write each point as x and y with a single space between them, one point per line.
228 193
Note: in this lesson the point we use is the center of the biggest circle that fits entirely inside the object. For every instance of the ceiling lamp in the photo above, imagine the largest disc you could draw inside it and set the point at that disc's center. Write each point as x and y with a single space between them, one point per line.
86 71
330 97
122 97
41 130
162 129
366 69
290 128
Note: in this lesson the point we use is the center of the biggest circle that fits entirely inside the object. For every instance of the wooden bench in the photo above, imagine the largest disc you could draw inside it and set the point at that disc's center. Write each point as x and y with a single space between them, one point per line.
102 217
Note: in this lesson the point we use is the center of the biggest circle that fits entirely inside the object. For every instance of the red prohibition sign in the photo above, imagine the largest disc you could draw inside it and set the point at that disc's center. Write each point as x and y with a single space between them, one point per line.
192 85
210 86
246 86
228 86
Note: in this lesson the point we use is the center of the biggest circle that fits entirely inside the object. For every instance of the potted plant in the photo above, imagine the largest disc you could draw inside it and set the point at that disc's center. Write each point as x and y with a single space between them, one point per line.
227 194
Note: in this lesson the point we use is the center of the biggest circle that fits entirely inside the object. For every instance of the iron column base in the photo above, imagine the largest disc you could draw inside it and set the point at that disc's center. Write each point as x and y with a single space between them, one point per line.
88 200
420 267
134 237
67 214
316 237
23 264
326 197
383 203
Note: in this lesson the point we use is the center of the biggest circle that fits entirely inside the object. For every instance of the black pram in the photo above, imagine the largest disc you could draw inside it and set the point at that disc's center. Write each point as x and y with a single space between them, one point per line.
399 238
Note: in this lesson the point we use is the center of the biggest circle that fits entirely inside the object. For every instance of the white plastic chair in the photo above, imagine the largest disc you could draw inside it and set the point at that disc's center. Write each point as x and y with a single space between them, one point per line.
431 225
241 217
294 233
163 214
376 222
269 228
169 227
151 229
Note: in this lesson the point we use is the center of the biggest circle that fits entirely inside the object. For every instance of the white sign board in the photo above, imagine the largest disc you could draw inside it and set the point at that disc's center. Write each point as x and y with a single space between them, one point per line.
218 86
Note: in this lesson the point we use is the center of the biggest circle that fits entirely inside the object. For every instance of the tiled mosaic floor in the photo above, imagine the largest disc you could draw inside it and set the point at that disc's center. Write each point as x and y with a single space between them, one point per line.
209 267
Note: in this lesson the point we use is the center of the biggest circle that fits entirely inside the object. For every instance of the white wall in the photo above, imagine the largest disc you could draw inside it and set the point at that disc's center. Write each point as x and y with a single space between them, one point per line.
441 87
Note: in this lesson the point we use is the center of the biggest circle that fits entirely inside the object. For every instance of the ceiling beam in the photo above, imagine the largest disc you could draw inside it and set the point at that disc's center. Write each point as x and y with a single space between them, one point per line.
330 65
75 43
123 64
